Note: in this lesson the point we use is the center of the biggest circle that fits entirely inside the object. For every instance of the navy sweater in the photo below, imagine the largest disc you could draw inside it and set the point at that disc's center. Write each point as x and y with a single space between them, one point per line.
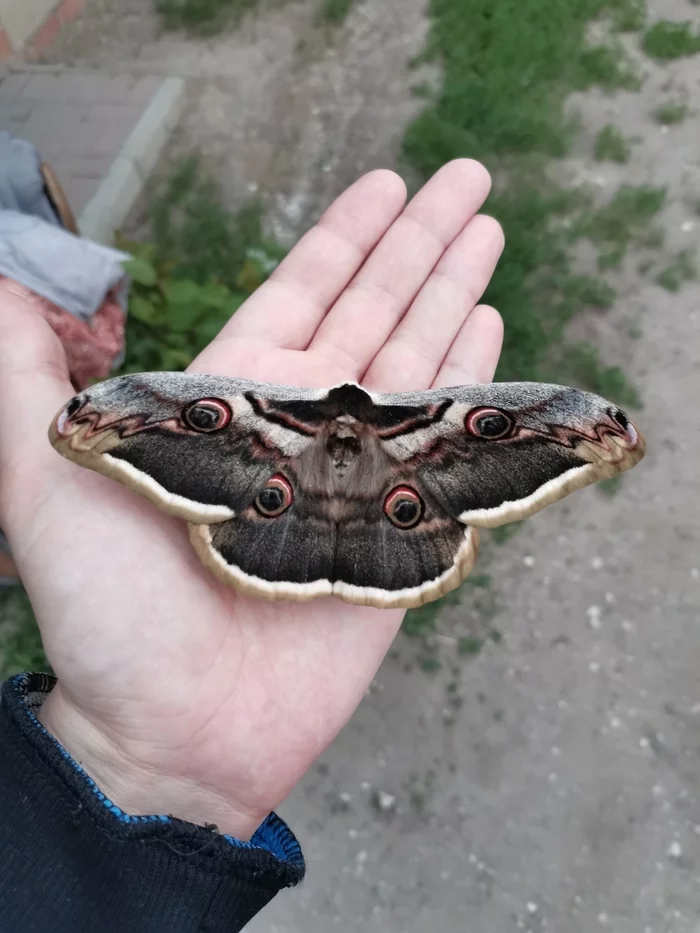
72 862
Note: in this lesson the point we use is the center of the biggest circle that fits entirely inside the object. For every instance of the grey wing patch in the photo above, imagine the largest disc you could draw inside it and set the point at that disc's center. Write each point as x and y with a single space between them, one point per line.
334 563
131 429
280 559
561 439
414 568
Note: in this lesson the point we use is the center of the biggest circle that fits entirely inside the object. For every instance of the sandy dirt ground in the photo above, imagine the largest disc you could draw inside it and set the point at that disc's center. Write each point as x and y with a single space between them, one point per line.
551 782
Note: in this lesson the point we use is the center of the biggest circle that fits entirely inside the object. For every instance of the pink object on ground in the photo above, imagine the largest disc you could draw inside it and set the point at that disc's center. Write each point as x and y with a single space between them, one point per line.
92 347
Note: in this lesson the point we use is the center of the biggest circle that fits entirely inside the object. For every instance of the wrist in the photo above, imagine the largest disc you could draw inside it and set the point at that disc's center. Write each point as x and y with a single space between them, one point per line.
138 787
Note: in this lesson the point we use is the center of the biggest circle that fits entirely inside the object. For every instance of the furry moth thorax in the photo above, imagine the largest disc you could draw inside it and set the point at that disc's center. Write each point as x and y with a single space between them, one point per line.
296 493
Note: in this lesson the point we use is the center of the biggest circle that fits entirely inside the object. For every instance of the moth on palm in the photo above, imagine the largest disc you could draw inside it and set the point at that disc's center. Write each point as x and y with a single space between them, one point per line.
375 498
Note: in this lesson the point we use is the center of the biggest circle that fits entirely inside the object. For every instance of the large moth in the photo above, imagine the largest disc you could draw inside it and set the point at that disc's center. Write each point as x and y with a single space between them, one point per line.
296 493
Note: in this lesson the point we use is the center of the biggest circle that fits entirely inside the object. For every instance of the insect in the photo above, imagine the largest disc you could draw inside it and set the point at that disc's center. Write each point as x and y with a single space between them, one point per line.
297 493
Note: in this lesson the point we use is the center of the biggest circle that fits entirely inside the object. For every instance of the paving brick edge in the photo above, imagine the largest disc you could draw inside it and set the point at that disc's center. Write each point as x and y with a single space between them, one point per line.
127 176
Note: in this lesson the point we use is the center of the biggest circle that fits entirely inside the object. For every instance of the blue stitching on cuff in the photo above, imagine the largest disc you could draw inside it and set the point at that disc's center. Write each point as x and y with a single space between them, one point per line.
272 835
21 684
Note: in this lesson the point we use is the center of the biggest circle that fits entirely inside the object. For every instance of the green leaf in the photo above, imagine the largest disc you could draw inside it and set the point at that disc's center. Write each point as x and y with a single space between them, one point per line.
142 309
182 292
214 295
209 325
182 317
235 301
141 271
175 359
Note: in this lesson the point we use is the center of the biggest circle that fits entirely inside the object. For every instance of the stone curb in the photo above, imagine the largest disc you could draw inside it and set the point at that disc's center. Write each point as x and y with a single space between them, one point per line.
107 209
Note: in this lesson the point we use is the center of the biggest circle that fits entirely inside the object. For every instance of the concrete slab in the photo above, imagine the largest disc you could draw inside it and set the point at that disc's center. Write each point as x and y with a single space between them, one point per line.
102 133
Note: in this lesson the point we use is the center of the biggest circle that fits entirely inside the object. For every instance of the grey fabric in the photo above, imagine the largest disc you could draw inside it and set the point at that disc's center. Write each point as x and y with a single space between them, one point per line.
72 272
37 251
21 182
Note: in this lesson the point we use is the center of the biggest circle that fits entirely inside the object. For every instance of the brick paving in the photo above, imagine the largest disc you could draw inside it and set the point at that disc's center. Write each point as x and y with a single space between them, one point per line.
78 120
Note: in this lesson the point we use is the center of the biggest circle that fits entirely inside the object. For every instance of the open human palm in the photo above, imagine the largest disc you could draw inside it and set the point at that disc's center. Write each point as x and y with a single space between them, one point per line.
178 694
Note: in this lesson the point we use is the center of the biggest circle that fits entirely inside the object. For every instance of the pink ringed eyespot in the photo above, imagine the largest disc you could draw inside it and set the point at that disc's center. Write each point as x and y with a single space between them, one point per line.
275 497
489 423
403 507
207 415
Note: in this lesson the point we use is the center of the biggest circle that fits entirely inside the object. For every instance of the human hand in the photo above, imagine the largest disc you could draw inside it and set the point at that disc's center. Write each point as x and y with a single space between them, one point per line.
178 694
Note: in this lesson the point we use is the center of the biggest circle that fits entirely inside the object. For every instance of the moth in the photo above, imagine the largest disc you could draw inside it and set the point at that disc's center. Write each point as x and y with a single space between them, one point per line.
375 498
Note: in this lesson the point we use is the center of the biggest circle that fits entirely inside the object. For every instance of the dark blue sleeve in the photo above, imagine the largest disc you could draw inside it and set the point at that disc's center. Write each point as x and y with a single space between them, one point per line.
72 861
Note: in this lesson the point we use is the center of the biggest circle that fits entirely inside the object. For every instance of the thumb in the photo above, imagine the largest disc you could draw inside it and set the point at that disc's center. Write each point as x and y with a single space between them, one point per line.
34 384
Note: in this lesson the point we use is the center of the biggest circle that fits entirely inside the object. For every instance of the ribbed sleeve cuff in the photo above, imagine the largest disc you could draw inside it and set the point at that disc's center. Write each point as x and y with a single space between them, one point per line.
177 869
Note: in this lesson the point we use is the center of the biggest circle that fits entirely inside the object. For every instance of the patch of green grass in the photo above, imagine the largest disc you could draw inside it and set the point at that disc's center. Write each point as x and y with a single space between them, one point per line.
630 16
590 292
680 270
20 642
502 533
203 16
605 66
334 11
507 69
201 239
583 366
667 39
610 487
423 90
611 146
480 580
422 621
469 645
622 221
421 790
670 113
652 238
430 664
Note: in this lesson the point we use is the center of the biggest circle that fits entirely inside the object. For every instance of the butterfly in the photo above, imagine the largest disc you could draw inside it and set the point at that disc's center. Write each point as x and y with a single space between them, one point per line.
375 498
